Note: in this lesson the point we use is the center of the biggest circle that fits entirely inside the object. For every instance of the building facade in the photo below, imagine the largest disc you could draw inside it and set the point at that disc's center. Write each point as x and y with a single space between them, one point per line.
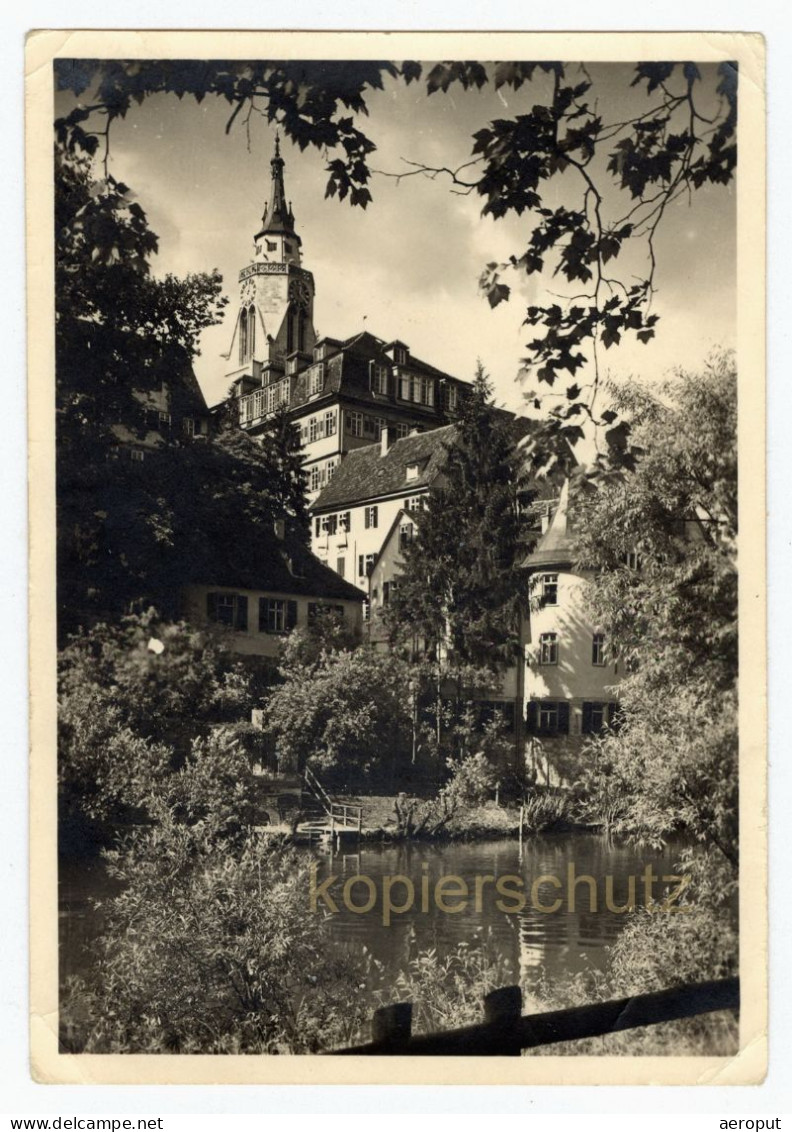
255 606
352 516
570 674
341 394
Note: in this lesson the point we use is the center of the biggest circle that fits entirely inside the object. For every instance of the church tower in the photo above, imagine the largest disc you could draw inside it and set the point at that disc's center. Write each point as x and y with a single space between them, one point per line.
274 333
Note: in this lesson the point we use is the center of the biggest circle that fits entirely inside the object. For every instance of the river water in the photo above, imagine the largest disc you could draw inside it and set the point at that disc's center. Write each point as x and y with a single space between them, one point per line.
532 942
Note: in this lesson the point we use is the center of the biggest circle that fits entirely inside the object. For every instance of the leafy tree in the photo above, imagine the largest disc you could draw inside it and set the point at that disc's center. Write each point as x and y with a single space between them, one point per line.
119 331
210 951
343 713
596 188
459 591
671 611
129 716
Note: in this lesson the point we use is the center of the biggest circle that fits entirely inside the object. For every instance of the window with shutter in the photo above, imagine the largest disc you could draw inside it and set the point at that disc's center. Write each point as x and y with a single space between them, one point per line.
241 613
291 615
563 718
532 717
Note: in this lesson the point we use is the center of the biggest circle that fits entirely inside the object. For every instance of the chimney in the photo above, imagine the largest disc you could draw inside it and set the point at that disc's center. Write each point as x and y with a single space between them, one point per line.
384 441
280 529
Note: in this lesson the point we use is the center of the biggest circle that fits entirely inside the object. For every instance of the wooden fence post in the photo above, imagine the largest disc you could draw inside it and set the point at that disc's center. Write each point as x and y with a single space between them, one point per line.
392 1025
502 1011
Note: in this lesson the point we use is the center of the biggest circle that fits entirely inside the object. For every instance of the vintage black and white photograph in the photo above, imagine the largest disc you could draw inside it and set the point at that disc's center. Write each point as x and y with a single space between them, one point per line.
396 481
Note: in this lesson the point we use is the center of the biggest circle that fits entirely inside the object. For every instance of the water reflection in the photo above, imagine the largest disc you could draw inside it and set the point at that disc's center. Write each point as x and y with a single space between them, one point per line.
565 925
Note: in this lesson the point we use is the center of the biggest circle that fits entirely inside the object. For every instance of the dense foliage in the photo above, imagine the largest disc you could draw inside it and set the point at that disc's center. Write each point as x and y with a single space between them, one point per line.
671 612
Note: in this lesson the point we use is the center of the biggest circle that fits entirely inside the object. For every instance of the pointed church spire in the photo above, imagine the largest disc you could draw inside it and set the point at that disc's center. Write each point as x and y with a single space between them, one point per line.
278 217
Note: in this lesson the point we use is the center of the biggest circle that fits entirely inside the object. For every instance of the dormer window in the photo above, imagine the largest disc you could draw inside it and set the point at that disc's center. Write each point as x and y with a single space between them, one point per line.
400 355
317 380
412 471
379 378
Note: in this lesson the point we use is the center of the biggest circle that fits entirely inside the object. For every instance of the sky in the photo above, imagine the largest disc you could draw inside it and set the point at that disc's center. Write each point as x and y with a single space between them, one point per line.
408 266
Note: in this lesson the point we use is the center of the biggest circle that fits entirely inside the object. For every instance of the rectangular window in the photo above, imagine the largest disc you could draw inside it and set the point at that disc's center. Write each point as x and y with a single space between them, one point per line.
405 534
548 716
317 380
188 426
598 649
369 426
164 421
412 472
632 560
595 716
549 585
315 478
313 429
548 648
330 422
379 379
450 397
345 521
402 430
414 503
365 562
370 518
277 615
330 524
228 609
405 386
354 423
272 615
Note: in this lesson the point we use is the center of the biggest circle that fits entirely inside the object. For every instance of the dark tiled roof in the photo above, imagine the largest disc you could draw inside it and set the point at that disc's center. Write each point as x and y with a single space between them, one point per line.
366 474
347 373
271 573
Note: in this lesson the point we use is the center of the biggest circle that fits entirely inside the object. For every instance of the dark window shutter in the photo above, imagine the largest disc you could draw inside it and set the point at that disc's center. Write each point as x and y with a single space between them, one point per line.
613 719
563 718
262 615
532 717
241 612
586 724
291 614
211 606
318 526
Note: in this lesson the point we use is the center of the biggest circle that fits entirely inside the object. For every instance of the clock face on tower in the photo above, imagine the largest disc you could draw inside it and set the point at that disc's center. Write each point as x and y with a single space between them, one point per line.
300 293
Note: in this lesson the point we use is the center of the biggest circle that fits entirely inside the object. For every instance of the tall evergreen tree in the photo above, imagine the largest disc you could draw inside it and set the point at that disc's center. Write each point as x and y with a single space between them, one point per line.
460 590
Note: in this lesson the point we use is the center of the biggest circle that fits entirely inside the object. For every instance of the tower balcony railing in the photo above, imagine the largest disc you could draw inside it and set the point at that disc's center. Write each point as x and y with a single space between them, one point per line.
262 403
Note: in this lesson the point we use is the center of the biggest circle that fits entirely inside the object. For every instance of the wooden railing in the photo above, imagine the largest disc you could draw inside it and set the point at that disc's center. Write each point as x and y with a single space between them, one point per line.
505 1031
343 815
